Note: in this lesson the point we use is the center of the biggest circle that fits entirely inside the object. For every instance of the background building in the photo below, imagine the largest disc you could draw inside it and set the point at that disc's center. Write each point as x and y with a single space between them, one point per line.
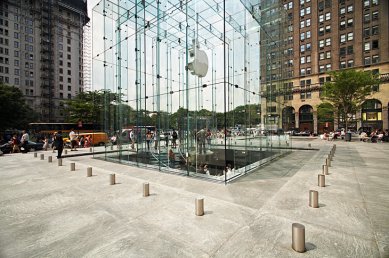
41 51
322 36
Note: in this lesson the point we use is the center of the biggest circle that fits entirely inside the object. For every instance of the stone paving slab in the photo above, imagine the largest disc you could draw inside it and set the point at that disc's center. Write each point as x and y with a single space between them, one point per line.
50 211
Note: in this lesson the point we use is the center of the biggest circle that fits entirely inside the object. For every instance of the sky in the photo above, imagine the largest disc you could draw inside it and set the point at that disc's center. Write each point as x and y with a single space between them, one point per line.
204 97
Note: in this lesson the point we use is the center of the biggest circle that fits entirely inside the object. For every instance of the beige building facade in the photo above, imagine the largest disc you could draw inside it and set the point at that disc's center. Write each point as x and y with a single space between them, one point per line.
323 36
41 52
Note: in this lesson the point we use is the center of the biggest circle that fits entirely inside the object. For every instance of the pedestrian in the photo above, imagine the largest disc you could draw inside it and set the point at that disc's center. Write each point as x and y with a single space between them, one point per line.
24 141
174 139
15 144
58 143
45 144
148 139
73 142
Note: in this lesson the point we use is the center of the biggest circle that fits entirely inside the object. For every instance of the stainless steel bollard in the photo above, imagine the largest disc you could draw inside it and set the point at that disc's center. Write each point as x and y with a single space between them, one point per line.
199 203
325 170
89 172
146 189
112 179
42 156
330 156
90 150
72 166
328 162
66 152
313 199
321 180
298 237
50 159
35 155
59 162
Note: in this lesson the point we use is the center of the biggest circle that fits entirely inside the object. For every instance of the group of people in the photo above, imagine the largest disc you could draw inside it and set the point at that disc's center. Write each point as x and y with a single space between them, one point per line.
375 136
19 144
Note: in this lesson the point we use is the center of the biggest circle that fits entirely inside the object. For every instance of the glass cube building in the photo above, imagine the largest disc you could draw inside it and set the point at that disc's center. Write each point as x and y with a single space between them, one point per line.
182 84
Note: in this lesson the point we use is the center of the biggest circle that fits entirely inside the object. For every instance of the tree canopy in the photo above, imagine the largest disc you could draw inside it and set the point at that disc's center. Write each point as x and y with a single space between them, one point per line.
14 112
347 91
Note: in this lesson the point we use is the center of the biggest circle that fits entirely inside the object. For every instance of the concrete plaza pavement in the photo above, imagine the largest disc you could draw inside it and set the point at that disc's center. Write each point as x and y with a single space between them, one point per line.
50 211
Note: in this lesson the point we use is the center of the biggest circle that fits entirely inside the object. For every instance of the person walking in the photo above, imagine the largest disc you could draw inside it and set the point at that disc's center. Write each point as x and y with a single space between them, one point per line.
73 142
174 139
58 142
24 141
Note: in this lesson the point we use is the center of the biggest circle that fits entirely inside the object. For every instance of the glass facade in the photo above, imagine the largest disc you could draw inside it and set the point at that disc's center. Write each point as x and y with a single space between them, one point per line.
181 82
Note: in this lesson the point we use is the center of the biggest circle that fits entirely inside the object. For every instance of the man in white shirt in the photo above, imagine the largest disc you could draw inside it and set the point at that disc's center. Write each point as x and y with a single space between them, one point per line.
73 137
24 141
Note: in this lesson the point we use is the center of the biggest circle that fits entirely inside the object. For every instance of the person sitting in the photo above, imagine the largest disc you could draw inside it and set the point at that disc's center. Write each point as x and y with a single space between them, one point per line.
172 158
363 137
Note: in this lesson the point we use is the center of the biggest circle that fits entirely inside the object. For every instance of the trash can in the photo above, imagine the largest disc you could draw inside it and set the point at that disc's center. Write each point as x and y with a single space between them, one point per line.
347 137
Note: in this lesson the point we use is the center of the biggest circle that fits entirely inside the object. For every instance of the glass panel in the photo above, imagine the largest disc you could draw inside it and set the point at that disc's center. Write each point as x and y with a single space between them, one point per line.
181 83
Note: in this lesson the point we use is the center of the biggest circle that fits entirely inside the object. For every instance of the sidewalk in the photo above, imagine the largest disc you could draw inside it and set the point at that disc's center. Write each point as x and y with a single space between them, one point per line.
50 211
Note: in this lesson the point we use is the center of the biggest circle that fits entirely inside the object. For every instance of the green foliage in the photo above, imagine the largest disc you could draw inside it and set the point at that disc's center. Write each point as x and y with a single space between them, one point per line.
325 112
348 90
14 112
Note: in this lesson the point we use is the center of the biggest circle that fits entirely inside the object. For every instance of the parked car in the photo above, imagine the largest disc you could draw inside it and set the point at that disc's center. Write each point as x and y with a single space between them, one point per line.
7 147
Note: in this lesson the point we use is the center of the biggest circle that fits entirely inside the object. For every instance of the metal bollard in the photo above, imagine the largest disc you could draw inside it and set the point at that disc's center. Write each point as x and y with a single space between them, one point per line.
72 166
328 162
298 237
112 179
309 145
66 152
146 189
89 171
199 203
330 156
313 199
35 155
50 159
325 170
59 162
42 156
90 150
111 147
321 180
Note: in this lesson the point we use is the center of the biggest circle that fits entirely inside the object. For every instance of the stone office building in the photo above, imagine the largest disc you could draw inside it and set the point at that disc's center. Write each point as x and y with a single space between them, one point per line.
41 51
323 36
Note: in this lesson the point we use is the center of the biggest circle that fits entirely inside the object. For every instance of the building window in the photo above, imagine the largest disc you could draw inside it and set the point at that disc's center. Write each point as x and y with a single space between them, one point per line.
328 42
375 59
308 59
69 88
308 10
308 34
367 46
321 43
374 15
302 71
350 9
302 24
342 25
69 72
302 60
375 44
321 31
308 46
350 22
366 3
342 65
374 30
350 36
69 96
328 16
350 63
366 32
308 22
61 86
366 18
342 38
321 18
69 80
328 54
367 60
342 10
328 67
302 36
321 56
61 95
321 69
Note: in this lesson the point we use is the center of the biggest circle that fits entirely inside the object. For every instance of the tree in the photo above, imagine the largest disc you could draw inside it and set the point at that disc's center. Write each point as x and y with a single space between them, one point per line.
99 107
347 91
14 112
